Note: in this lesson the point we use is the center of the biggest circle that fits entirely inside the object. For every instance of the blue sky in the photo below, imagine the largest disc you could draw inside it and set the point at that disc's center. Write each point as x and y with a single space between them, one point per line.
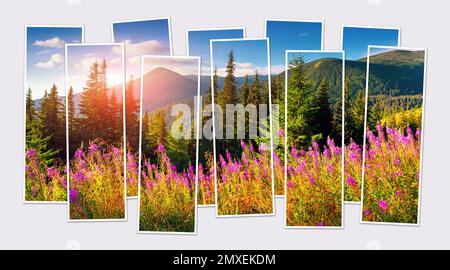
141 38
45 57
80 58
312 56
249 56
198 41
291 35
357 39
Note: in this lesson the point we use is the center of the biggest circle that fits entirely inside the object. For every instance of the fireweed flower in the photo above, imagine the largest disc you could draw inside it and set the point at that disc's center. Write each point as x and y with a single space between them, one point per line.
246 175
382 205
52 172
280 132
79 176
93 148
289 184
160 149
79 153
398 173
294 152
312 181
73 195
396 161
316 146
351 181
116 150
262 147
228 154
243 144
327 153
330 168
367 212
34 191
222 161
352 156
31 153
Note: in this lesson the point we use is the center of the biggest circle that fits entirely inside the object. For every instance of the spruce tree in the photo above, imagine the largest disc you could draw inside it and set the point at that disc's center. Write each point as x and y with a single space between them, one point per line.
30 110
300 108
254 94
244 91
358 116
131 115
323 116
71 109
88 105
228 94
349 120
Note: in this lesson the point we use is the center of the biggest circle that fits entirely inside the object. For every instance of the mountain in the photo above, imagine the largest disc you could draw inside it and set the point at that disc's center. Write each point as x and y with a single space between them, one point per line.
163 87
398 73
398 58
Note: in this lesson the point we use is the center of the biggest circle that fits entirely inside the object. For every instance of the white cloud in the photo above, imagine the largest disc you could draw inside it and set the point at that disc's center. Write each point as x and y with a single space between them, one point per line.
277 69
243 69
54 61
55 42
142 48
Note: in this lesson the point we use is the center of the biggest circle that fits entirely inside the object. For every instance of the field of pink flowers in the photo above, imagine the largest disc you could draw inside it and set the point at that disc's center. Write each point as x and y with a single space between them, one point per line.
244 186
167 199
391 175
205 189
42 182
314 186
96 187
352 172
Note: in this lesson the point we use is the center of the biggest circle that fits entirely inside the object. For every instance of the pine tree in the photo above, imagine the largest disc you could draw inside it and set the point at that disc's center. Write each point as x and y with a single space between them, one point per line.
131 115
349 120
300 108
30 109
114 128
157 132
358 116
52 121
71 110
102 102
88 105
144 133
228 94
254 94
323 116
244 91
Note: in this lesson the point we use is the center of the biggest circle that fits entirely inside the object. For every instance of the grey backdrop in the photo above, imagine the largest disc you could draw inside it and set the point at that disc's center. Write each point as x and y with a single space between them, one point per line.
423 24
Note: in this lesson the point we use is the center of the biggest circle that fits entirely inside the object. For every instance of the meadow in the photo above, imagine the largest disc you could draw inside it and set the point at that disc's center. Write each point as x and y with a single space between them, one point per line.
96 188
391 175
314 186
244 186
167 201
44 182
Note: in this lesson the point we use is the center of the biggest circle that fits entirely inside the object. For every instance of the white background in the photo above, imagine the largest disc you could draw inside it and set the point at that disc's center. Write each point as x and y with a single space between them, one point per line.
423 24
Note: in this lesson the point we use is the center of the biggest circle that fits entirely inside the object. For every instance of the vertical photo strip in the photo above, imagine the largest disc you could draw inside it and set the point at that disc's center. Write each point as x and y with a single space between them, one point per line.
286 35
395 92
45 178
240 85
197 41
140 37
355 41
314 139
95 132
169 115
